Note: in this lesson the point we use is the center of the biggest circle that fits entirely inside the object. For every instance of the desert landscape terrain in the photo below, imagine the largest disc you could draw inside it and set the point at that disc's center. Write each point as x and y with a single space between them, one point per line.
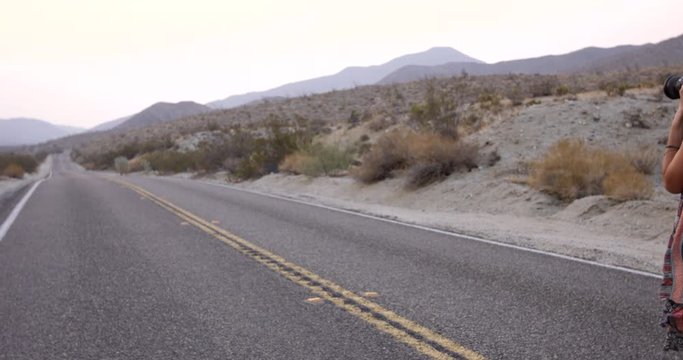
488 202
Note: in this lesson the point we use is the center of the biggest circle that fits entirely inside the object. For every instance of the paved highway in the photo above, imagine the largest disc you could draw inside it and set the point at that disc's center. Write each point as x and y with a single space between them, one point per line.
110 267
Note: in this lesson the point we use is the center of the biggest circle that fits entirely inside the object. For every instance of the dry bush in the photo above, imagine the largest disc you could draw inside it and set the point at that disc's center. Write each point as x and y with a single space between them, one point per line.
428 156
388 154
435 157
571 170
645 158
627 184
295 163
425 174
13 171
27 162
378 124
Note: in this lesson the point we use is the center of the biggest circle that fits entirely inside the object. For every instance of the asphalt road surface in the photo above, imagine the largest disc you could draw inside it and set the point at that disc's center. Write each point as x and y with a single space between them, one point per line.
167 268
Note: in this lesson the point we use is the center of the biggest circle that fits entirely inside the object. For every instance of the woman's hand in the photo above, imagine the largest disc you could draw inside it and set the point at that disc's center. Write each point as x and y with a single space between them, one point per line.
678 118
672 163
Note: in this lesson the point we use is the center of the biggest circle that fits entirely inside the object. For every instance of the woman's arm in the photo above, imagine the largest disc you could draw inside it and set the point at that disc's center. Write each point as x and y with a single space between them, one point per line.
672 163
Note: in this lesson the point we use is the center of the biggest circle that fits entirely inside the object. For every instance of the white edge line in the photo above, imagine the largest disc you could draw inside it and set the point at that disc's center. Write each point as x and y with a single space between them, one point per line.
444 232
17 209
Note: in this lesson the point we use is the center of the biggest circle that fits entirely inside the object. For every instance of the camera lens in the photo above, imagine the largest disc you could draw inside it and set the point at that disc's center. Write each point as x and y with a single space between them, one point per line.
672 86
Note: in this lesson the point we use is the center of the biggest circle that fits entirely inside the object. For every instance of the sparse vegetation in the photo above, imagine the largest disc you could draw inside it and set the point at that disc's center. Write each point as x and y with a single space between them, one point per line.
16 165
614 87
14 171
428 158
269 151
388 154
438 113
571 170
318 160
171 161
645 158
254 140
121 165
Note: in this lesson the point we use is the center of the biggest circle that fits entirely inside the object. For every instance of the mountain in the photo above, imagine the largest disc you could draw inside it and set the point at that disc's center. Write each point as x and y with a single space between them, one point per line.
590 59
349 77
162 112
109 124
24 131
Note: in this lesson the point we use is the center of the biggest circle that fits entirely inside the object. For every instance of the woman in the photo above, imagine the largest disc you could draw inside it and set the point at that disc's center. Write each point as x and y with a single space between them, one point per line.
672 282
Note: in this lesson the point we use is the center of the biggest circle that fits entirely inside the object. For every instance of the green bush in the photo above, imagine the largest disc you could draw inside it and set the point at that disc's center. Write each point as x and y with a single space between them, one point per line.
318 160
171 161
121 165
266 153
438 113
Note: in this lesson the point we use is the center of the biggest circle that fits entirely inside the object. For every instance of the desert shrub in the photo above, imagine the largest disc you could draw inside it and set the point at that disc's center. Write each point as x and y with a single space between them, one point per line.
27 162
318 160
354 118
627 184
645 158
614 88
435 157
121 165
212 126
429 157
562 90
267 152
388 154
296 163
170 161
489 100
14 171
378 124
438 112
424 174
139 164
516 95
571 170
103 158
543 86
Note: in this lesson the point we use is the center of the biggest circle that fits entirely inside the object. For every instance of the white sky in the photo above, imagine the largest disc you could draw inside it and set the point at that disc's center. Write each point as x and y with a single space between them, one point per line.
83 62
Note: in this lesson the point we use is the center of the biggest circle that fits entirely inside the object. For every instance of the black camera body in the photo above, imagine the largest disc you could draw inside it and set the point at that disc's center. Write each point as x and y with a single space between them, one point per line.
672 86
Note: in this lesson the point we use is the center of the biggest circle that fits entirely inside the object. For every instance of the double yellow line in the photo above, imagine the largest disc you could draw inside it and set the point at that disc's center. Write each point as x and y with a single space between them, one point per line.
408 332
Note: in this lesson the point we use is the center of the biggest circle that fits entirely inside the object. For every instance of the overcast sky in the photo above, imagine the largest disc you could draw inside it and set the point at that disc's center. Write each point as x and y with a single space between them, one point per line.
83 62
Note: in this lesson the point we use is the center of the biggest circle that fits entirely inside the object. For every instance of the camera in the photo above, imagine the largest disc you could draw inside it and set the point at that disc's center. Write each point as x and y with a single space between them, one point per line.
672 86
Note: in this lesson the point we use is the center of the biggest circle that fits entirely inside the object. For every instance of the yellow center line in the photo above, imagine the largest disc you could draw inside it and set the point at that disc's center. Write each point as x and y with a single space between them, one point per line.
406 331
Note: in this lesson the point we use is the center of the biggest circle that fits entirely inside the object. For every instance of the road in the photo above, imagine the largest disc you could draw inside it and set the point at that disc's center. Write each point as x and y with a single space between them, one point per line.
168 268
